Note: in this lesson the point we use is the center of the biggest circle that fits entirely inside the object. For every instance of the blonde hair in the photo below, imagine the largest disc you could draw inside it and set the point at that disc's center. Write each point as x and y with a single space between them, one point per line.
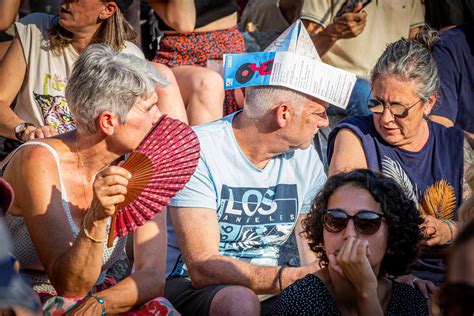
113 31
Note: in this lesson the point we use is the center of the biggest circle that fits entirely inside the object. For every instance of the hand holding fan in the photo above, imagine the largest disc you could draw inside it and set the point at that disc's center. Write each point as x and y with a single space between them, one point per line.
160 166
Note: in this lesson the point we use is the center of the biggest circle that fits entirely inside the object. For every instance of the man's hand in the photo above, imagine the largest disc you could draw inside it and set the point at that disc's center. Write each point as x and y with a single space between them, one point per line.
348 25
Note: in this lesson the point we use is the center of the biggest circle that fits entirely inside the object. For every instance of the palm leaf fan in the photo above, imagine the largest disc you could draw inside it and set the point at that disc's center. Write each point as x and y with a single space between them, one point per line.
439 200
160 166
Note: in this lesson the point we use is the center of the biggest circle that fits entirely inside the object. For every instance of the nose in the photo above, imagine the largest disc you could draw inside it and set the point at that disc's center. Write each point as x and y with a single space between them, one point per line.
350 230
386 115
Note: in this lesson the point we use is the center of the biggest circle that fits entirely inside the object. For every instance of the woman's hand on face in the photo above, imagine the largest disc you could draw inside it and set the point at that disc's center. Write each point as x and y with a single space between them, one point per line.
40 132
436 231
110 187
88 306
352 263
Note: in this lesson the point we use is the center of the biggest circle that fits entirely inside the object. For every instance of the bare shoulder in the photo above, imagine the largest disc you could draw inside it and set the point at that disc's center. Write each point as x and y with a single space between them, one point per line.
348 152
33 173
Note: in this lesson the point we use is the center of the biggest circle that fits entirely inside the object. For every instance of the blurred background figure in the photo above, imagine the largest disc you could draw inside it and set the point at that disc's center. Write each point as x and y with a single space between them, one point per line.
456 296
352 34
263 20
199 33
445 14
454 55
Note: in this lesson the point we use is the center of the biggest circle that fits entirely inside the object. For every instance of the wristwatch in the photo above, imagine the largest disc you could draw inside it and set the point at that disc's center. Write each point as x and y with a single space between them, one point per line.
20 129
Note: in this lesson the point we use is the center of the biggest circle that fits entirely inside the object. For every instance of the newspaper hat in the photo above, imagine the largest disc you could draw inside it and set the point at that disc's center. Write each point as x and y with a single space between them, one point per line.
290 61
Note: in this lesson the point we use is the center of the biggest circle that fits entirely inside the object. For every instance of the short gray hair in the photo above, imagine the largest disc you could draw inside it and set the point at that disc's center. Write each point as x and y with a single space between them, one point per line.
260 100
103 80
411 61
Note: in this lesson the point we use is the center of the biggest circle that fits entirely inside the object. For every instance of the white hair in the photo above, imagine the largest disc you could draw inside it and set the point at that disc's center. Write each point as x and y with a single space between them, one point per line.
103 80
260 100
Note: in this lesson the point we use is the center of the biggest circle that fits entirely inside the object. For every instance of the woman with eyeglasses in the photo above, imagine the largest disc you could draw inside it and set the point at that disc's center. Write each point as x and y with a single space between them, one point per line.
363 230
398 139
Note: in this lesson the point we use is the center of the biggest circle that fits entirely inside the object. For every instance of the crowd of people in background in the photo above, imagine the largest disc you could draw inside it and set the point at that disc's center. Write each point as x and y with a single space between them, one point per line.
297 206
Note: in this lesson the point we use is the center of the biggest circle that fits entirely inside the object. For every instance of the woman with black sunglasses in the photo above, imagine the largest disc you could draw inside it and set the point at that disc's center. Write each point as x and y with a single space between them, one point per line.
365 231
399 140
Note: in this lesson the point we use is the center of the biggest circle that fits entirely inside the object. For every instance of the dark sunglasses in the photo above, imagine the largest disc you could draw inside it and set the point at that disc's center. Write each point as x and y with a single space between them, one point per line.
397 109
365 222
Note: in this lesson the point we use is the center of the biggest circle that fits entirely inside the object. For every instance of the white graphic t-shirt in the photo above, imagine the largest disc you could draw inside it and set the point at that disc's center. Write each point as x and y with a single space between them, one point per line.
41 98
256 209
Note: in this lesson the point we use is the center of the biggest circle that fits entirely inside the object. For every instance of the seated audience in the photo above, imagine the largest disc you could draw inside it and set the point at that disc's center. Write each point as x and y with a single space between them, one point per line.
351 35
257 174
40 59
424 157
197 34
66 192
364 230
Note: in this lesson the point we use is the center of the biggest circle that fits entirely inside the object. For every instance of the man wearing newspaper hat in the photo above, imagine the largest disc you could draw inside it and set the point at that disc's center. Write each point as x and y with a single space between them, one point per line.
254 183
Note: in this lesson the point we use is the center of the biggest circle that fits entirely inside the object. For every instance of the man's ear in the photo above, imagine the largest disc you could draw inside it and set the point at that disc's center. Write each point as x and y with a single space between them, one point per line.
108 122
283 114
108 10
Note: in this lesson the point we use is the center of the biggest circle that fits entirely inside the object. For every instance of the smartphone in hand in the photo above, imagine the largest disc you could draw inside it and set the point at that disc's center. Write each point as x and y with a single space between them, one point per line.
349 5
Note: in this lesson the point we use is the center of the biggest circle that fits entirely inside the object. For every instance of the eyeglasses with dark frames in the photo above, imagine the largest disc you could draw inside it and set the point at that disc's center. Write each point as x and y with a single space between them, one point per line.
397 109
366 222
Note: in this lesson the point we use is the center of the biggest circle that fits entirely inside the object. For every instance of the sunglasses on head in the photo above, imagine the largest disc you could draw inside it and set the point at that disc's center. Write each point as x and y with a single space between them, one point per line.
366 222
397 109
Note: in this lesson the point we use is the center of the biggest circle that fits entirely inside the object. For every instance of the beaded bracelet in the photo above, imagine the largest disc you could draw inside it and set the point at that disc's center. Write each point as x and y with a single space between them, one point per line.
89 235
101 301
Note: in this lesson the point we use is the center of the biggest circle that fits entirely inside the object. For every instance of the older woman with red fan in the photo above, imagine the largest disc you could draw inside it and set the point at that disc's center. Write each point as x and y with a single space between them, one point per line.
68 188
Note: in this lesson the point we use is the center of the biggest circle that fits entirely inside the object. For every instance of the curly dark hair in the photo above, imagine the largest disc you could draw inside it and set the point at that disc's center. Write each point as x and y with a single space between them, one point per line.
401 216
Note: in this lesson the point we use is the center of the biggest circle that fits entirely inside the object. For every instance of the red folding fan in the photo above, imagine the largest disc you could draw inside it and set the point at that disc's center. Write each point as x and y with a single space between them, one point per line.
160 166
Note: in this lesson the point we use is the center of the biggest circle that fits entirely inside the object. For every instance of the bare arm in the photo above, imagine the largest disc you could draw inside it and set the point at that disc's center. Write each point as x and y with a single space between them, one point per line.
306 255
73 266
12 74
200 250
441 120
413 31
148 280
170 100
8 12
348 153
177 14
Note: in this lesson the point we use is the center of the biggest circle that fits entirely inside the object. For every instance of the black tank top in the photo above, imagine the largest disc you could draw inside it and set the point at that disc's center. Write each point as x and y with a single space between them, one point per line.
207 11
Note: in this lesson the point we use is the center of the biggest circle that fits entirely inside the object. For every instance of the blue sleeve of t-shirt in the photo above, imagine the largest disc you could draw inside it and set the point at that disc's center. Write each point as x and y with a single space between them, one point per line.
199 191
447 105
318 179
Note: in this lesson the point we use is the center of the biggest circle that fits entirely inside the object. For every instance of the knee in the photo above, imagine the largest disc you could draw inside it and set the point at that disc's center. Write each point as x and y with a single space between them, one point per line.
166 72
207 83
235 300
